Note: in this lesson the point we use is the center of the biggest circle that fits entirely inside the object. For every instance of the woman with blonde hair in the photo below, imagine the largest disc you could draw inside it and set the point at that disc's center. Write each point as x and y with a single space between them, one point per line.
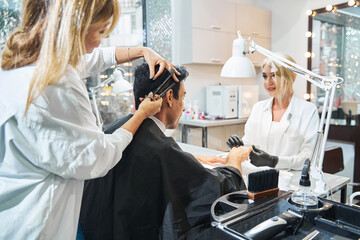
49 140
281 129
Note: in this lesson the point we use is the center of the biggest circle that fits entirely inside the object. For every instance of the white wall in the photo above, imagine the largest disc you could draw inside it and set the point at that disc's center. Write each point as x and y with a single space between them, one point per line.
202 75
245 2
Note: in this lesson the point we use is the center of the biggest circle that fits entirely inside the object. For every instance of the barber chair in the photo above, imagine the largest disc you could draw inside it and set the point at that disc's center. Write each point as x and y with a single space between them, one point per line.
333 160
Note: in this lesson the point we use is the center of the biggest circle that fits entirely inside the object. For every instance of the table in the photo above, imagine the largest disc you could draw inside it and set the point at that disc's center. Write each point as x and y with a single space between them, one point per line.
204 124
336 183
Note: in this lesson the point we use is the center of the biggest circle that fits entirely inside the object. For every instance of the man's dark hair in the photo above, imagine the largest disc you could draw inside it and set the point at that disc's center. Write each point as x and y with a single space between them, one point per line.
143 85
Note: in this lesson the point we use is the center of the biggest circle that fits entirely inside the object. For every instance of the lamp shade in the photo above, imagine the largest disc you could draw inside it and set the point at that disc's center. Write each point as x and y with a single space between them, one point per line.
120 84
238 66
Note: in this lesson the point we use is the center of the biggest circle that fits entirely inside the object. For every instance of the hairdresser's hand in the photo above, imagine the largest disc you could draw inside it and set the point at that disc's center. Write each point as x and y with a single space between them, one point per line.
149 106
234 141
260 158
236 156
153 59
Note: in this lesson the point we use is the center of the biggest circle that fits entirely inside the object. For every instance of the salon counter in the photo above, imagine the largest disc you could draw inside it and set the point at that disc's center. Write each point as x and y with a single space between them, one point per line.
211 133
336 183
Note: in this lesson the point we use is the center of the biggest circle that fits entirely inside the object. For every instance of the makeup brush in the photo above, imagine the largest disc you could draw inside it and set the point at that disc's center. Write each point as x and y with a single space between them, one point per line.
263 184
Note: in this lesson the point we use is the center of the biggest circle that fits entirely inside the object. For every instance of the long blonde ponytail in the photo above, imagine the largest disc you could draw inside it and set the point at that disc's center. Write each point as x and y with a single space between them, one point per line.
23 46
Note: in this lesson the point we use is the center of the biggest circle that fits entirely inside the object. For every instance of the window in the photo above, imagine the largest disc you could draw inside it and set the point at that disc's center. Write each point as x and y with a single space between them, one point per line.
9 19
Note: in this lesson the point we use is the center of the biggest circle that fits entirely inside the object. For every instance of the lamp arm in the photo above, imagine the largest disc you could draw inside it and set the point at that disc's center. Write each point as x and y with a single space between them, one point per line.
107 81
324 82
102 84
97 113
327 110
94 91
317 157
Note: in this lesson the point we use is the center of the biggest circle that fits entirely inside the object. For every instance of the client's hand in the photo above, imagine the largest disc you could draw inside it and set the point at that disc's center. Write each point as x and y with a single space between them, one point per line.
236 156
210 160
234 141
260 158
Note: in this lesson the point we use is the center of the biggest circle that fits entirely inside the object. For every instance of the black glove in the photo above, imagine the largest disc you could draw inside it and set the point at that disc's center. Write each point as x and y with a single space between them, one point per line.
260 158
234 141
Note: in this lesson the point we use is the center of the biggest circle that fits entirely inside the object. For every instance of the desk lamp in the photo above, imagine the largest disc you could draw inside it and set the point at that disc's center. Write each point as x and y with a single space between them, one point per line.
326 83
120 85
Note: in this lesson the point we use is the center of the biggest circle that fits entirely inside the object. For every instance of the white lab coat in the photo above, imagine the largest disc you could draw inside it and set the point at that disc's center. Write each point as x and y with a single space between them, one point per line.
45 156
297 134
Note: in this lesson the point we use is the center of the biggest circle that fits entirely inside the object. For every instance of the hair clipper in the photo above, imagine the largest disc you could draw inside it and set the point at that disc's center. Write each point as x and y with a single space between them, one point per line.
288 220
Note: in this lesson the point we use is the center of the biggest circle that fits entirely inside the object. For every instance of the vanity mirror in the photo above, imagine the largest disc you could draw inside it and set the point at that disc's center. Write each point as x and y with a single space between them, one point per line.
334 50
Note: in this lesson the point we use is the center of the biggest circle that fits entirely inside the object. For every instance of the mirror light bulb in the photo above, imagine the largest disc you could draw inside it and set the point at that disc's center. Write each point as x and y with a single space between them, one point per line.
307 54
308 34
329 7
309 12
351 3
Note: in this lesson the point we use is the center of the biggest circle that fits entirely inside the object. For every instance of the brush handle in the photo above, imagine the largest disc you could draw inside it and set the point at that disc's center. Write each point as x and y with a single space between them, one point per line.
274 225
263 194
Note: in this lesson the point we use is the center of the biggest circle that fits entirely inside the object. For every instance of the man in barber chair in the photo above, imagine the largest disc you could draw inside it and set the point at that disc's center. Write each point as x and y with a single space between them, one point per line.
157 191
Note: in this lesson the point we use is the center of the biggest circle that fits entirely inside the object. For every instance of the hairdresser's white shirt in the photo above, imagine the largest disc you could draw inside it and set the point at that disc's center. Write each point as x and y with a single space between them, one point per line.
296 132
45 157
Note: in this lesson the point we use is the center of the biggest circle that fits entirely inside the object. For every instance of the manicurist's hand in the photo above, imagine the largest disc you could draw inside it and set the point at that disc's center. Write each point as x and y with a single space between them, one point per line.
234 141
261 158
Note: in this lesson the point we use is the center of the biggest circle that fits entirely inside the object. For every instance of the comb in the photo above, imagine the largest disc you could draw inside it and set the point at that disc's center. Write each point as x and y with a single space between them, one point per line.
172 71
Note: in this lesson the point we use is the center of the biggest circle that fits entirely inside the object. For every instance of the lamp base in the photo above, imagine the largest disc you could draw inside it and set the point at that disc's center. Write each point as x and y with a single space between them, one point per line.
318 177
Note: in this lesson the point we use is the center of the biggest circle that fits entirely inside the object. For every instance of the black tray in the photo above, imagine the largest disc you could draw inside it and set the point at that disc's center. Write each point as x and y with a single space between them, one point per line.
233 215
340 219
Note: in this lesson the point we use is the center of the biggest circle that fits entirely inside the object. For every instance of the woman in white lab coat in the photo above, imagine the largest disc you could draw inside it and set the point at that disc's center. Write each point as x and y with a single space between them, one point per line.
281 129
49 140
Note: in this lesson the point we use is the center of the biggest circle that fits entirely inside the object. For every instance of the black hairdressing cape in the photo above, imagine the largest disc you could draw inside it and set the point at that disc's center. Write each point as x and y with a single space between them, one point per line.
156 191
